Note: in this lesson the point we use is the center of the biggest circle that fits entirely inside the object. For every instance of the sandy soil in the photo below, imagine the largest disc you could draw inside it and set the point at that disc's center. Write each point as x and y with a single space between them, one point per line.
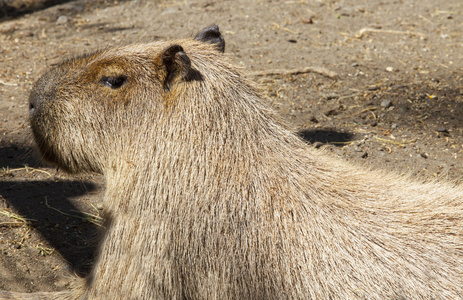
378 83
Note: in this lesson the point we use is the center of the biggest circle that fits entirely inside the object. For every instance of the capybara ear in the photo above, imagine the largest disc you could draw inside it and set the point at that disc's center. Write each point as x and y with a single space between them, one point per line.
212 35
177 64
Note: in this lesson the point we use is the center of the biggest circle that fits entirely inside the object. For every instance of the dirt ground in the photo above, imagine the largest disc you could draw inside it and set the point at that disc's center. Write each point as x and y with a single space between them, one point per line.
378 83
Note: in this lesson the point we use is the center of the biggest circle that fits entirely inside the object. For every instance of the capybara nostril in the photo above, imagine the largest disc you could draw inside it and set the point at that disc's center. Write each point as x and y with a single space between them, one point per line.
31 107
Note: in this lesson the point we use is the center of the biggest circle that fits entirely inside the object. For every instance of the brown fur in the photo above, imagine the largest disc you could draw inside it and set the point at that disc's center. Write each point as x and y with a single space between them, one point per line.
210 196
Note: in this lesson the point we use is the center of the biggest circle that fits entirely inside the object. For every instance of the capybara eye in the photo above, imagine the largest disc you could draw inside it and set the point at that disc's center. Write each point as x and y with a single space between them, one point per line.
114 82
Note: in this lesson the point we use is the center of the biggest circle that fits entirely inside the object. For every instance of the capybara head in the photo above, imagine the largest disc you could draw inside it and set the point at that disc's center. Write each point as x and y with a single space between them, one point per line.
86 109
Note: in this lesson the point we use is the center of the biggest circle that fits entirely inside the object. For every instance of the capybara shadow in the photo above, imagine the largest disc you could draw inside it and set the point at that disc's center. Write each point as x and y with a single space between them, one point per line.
47 204
14 156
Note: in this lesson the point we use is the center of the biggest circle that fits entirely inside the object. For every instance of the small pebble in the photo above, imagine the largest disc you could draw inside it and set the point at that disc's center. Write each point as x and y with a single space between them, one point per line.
62 20
393 126
386 103
390 69
331 112
365 155
307 20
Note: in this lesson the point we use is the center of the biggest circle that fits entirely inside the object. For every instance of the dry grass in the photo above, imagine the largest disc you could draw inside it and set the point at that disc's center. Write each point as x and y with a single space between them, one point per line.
17 220
88 217
7 171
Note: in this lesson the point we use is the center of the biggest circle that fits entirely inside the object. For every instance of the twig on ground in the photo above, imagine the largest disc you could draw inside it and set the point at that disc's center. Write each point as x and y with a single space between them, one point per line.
364 31
349 96
43 250
11 224
20 221
8 84
362 111
425 19
318 70
28 170
94 219
343 143
395 142
284 28
13 216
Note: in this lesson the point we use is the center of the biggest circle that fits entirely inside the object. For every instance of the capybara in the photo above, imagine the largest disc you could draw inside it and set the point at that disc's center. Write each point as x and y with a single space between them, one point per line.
209 195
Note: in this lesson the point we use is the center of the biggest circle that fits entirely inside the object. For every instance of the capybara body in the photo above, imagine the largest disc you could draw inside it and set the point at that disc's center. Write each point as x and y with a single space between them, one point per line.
210 196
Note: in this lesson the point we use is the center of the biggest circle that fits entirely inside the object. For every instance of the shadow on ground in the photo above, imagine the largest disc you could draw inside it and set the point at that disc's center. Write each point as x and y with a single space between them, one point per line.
430 104
12 9
325 136
48 206
14 156
18 8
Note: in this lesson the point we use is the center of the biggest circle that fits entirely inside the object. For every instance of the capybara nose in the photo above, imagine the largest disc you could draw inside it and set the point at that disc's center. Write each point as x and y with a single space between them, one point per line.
35 99
44 90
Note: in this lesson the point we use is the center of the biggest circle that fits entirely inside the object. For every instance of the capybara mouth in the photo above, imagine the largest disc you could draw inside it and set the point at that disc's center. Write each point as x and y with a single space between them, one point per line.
43 144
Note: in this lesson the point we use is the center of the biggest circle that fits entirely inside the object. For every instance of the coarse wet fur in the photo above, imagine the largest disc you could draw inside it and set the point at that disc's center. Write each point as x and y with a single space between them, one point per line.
210 196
